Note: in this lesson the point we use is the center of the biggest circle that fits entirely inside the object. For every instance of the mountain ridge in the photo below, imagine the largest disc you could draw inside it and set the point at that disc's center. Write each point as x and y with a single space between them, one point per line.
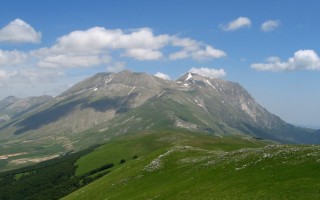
114 93
11 107
108 105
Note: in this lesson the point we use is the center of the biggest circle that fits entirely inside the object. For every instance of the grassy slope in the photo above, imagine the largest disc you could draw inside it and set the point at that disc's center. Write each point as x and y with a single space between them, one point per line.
172 179
202 167
145 143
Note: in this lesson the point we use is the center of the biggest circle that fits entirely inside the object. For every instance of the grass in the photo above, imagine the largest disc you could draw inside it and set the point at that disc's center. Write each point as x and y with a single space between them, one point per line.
144 143
177 164
115 150
195 166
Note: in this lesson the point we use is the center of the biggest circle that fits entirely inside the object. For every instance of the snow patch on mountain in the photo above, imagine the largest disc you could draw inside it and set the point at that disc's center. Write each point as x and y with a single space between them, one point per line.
108 79
189 76
131 90
198 103
210 84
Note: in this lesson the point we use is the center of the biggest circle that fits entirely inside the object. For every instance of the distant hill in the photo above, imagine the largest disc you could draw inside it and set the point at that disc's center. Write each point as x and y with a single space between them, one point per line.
12 107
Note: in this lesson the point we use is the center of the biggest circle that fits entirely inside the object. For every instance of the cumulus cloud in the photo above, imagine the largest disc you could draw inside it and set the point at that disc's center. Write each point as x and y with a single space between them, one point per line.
209 72
270 25
187 43
141 39
143 54
116 67
179 55
97 46
240 22
163 76
83 41
69 61
194 49
97 39
8 58
3 74
301 60
139 44
208 52
18 31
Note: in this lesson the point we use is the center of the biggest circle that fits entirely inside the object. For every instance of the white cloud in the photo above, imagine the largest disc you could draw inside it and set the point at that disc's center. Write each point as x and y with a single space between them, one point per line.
91 40
270 25
5 77
237 23
3 74
209 72
163 76
116 67
98 39
12 57
143 54
194 49
43 69
18 31
179 55
187 43
141 39
301 60
69 61
140 44
208 52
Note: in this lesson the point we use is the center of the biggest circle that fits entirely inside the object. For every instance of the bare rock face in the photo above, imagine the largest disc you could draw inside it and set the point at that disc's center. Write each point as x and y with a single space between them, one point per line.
235 97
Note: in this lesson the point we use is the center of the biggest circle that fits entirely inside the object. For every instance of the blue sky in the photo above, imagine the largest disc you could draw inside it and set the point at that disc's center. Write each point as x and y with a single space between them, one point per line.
269 47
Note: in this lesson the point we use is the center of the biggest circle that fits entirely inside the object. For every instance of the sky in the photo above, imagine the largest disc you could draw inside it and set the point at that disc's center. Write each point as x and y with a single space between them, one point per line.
270 47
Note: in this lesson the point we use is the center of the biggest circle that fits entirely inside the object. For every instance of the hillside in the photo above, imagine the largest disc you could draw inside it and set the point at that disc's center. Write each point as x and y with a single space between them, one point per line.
56 178
173 165
204 167
194 138
109 105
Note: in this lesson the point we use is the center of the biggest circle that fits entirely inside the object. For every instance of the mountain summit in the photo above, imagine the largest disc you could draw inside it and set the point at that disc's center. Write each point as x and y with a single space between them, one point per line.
107 105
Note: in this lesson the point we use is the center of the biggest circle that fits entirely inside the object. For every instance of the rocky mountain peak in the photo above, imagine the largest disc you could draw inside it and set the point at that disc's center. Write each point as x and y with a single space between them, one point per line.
133 101
115 81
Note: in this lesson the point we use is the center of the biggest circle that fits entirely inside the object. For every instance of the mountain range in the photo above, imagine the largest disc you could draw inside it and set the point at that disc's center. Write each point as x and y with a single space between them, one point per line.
12 107
109 105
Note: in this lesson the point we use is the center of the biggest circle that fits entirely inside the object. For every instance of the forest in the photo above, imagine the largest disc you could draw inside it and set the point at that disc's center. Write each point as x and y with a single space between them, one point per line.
51 179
